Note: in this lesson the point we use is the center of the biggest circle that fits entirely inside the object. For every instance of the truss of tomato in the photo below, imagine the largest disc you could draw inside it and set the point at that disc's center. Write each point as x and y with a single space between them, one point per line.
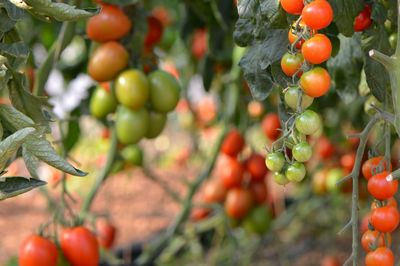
315 82
271 125
154 32
318 14
293 7
374 239
231 174
109 25
36 250
106 233
363 20
291 64
385 219
380 188
381 256
317 49
375 165
199 43
233 143
238 203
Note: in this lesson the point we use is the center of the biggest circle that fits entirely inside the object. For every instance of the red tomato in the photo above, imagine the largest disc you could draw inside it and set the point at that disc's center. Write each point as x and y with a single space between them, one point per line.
380 257
109 25
154 32
385 219
271 125
238 203
231 173
380 188
106 232
36 250
255 165
389 202
347 161
293 7
324 148
214 191
363 20
330 261
365 223
370 167
258 191
162 14
80 246
293 36
233 143
199 43
199 214
370 239
317 49
317 14
315 82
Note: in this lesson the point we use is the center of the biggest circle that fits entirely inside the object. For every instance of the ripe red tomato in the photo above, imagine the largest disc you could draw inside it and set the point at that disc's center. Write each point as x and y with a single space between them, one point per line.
389 202
199 43
80 246
385 219
36 250
231 173
233 143
154 32
317 14
380 257
363 20
324 148
214 191
258 191
317 49
106 232
347 161
369 168
255 165
238 203
109 25
271 125
380 188
315 82
291 63
199 214
293 7
365 221
370 239
330 261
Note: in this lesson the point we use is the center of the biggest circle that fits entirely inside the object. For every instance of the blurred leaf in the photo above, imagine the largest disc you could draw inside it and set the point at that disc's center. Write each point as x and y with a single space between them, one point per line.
13 12
73 132
18 49
378 13
31 162
12 262
276 17
14 186
6 23
207 70
13 119
345 12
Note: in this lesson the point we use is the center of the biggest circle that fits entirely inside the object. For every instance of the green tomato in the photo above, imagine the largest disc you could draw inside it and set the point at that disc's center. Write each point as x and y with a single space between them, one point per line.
275 161
131 126
292 97
165 91
334 175
295 138
393 40
302 152
132 89
132 154
102 103
295 172
308 122
157 123
280 179
258 221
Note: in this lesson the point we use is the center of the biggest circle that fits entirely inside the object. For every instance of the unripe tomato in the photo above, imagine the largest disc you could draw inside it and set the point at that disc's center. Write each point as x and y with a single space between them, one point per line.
102 103
157 123
258 221
36 250
291 64
293 7
380 257
280 179
317 49
317 14
302 152
132 89
258 191
214 191
375 165
363 20
238 203
255 165
275 161
80 246
154 32
334 175
370 239
107 61
295 172
271 125
315 82
233 143
231 173
131 126
199 43
292 96
324 148
380 188
109 25
308 122
347 161
164 91
132 154
106 232
319 181
385 219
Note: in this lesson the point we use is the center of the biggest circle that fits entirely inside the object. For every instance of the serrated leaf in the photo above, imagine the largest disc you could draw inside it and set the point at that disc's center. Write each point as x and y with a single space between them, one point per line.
31 162
13 119
17 49
14 186
345 12
247 8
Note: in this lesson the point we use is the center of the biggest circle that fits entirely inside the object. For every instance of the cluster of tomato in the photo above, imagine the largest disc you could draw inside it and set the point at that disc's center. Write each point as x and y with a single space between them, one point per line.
78 245
240 186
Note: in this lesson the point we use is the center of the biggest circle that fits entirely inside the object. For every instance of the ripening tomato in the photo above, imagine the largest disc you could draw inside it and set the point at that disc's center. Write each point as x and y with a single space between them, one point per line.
255 109
164 91
319 181
347 161
271 125
292 96
102 103
369 240
106 232
80 246
375 165
132 89
199 214
380 257
199 43
36 250
109 25
293 36
291 64
258 191
256 167
157 122
231 173
154 32
107 61
214 191
324 148
238 203
380 188
293 7
275 161
318 14
315 82
385 219
363 20
317 49
302 152
308 122
131 126
233 143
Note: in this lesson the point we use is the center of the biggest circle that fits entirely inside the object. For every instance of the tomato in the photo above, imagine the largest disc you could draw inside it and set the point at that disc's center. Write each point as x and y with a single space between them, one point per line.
375 165
308 122
164 91
258 191
154 32
131 126
317 14
106 232
255 109
258 221
162 14
380 257
107 61
199 43
330 261
385 219
324 148
295 172
214 191
319 181
157 122
389 202
291 64
317 49
199 214
292 96
293 34
302 152
256 167
370 241
132 89
80 246
271 125
206 109
334 175
231 173
102 103
347 161
280 179
393 40
380 188
109 25
36 250
315 82
233 143
132 154
363 20
275 161
238 203
293 7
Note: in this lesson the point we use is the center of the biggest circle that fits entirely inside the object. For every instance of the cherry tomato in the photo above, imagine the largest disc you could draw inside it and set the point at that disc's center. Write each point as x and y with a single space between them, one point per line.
280 179
389 202
132 154
238 203
333 176
106 232
291 64
317 49
154 32
330 261
380 188
292 96
302 152
80 246
363 20
107 61
199 214
199 43
36 250
271 125
258 191
255 109
308 122
275 161
164 91
157 123
258 221
102 103
295 172
231 173
385 219
293 7
131 126
255 165
347 161
380 257
370 239
319 181
375 165
132 89
292 34
233 143
214 191
109 25
324 148
318 14
315 82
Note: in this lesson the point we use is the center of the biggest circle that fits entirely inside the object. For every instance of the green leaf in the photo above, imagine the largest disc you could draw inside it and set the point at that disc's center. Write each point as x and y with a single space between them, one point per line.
248 8
31 162
278 76
73 132
13 12
345 12
275 15
243 34
17 49
6 23
13 119
14 186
